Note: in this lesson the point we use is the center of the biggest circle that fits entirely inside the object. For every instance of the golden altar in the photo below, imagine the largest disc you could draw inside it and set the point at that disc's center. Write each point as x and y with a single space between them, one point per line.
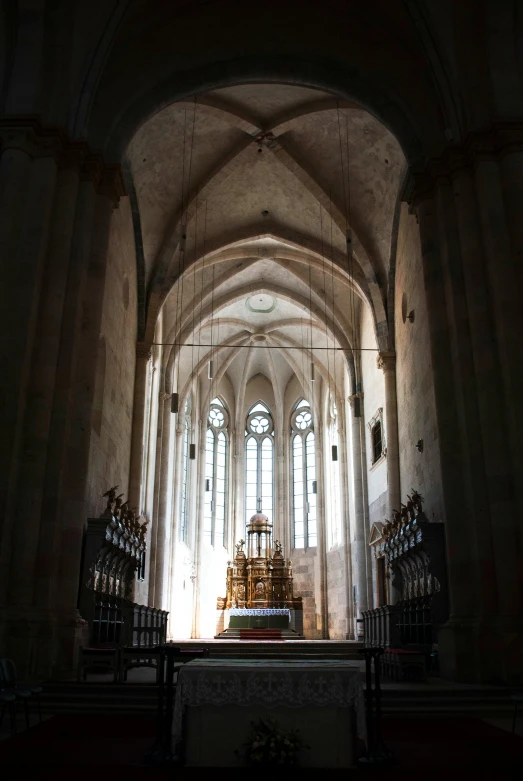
262 578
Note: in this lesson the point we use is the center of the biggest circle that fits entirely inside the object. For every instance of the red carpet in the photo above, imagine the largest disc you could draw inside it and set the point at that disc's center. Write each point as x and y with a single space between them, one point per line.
99 748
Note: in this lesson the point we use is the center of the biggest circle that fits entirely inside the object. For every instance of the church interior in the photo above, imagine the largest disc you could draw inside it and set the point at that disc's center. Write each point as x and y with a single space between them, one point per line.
262 371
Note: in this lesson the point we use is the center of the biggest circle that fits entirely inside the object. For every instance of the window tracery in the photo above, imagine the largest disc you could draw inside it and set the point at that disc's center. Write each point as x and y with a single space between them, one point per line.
259 462
185 467
333 475
303 449
215 504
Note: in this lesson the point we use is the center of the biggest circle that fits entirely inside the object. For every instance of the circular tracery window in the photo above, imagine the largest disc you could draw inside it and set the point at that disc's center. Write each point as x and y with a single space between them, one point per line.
259 424
217 417
301 420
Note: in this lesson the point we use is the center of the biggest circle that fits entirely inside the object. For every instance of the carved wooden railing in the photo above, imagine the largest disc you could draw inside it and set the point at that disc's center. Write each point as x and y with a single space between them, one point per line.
381 627
120 622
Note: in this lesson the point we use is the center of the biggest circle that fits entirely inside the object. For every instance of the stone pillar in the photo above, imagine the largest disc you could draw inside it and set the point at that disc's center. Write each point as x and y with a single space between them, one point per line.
73 505
46 577
345 525
143 356
511 170
199 490
164 505
27 185
175 517
41 392
322 537
458 638
155 539
47 197
493 517
387 362
359 542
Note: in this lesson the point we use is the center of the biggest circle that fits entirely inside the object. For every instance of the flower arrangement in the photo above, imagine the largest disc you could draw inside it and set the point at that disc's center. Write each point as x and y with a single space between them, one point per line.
269 745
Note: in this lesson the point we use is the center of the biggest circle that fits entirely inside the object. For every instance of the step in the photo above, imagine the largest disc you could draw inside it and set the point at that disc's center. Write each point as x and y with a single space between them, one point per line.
418 700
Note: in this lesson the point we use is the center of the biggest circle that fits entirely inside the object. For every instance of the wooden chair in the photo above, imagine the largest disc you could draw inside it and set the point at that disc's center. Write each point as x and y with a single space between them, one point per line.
99 658
22 691
8 700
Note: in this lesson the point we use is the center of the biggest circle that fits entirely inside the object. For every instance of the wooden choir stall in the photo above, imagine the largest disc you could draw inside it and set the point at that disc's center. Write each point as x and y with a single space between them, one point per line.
411 586
122 633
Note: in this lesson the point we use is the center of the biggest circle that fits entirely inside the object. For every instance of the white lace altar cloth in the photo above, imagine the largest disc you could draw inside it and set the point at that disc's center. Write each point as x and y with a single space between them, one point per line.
269 683
260 611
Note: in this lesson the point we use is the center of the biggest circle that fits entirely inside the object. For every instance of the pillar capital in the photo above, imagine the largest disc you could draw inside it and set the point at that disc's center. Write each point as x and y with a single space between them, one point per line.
386 361
493 143
28 134
143 350
355 398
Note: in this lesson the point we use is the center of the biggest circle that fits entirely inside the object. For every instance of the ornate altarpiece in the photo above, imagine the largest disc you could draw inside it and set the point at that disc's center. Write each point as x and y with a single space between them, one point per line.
262 577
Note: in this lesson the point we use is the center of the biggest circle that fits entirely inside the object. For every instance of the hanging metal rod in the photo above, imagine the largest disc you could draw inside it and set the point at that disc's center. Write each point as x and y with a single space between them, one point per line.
267 347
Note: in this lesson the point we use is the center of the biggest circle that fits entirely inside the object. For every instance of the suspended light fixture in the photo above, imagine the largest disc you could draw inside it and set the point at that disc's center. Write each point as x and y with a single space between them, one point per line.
192 451
314 486
335 452
313 371
210 372
207 484
175 402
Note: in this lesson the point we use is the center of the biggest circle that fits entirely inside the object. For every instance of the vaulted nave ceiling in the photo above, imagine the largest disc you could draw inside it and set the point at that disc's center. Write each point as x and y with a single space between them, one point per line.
248 190
295 189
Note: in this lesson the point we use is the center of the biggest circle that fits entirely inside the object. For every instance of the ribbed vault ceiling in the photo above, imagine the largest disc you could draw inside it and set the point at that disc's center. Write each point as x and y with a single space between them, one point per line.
253 189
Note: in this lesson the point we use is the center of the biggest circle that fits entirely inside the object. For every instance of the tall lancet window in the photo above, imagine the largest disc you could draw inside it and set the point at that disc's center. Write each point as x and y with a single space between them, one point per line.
215 507
333 474
184 514
303 450
259 462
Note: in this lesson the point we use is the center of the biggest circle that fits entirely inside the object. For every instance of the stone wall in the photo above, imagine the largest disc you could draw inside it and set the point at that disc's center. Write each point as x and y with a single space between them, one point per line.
373 400
306 582
337 594
113 407
415 381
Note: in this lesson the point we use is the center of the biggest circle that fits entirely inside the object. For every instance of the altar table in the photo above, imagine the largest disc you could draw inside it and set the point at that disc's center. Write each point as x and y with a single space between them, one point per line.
217 699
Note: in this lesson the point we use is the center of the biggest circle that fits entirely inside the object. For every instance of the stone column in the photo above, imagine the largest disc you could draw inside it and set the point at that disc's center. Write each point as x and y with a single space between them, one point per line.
345 525
176 508
46 579
26 196
164 503
493 524
156 499
359 542
458 639
199 490
322 536
73 506
469 211
41 392
387 362
143 356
